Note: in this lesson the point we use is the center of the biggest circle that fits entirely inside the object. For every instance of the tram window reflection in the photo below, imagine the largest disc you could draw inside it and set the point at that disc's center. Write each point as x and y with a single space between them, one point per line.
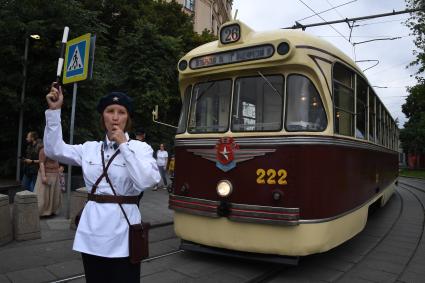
372 112
343 100
305 110
378 122
210 107
257 104
184 112
361 113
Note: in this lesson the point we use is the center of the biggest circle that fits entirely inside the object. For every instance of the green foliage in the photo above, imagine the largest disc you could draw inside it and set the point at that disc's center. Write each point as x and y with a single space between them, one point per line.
413 135
412 173
138 45
416 23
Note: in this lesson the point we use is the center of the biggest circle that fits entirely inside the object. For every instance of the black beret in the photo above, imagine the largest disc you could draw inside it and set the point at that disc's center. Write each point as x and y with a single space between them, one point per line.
115 98
140 131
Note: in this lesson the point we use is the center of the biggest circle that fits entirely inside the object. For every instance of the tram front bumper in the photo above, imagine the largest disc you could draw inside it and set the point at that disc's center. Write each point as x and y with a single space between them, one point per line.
236 212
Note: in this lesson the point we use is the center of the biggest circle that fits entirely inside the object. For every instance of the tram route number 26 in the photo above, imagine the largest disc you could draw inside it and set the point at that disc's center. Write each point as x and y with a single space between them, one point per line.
270 176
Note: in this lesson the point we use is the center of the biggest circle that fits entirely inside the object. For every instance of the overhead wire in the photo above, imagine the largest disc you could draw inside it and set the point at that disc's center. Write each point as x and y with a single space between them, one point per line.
323 20
324 11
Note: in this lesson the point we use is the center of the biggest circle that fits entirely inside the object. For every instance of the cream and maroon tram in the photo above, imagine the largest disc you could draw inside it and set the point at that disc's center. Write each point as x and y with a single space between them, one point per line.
282 145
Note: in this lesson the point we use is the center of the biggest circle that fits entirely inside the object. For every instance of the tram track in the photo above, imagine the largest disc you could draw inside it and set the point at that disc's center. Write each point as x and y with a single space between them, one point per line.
149 259
409 188
274 273
381 240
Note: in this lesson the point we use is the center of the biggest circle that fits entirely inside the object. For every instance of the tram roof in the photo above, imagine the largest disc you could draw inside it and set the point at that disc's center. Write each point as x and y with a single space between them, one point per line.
252 38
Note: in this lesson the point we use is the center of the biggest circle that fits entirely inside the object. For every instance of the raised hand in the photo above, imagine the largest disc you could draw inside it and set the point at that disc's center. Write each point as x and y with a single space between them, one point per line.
55 97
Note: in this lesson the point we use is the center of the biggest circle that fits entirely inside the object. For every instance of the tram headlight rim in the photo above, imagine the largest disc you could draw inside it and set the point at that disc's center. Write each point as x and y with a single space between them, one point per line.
224 188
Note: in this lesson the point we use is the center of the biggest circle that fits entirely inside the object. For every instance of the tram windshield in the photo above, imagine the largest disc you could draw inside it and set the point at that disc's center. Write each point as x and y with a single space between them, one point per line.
257 105
210 107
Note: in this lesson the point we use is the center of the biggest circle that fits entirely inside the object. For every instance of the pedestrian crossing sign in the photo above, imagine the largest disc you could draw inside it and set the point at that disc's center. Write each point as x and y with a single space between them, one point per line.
76 63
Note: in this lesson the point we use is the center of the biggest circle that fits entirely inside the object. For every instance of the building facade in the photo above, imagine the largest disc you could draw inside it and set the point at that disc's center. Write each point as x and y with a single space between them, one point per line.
208 14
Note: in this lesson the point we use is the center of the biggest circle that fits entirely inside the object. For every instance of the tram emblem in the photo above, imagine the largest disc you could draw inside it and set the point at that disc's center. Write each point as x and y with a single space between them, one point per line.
225 153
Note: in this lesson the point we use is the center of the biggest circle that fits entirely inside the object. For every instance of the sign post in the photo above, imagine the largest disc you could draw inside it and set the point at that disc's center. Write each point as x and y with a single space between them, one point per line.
75 69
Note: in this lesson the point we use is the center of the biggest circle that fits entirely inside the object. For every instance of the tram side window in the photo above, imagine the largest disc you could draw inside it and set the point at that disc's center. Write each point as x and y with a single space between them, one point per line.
378 123
210 107
257 104
371 115
184 112
343 100
304 108
361 109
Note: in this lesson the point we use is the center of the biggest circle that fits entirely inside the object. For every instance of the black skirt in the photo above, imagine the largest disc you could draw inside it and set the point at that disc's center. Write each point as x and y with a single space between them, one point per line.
106 269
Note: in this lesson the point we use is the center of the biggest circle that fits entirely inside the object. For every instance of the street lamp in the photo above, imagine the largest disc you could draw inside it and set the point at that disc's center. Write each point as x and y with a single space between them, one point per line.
21 110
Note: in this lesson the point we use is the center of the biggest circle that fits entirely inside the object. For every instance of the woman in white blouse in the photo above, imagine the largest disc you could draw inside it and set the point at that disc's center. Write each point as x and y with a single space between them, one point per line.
102 233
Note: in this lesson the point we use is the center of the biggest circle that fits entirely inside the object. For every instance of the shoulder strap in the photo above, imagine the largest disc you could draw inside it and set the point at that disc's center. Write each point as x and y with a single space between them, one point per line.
105 174
105 169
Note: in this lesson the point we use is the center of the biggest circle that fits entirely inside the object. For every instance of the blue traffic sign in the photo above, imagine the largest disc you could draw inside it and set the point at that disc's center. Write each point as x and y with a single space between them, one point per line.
76 59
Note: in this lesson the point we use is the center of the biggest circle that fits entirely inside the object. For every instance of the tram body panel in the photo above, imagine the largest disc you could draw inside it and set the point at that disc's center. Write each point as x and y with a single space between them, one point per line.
323 181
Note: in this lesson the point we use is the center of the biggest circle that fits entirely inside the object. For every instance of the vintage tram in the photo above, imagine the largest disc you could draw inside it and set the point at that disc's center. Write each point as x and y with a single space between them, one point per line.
282 146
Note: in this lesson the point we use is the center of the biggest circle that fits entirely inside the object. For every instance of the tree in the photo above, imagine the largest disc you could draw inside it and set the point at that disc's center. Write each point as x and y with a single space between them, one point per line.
412 135
138 45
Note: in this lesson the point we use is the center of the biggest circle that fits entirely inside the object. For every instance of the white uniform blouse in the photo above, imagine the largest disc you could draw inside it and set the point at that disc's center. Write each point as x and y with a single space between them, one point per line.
103 230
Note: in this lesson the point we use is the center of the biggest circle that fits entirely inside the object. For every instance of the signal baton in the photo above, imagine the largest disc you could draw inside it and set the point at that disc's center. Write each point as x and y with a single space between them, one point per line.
62 54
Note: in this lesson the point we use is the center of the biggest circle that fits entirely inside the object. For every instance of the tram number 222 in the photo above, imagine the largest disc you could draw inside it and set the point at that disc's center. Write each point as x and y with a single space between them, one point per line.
270 176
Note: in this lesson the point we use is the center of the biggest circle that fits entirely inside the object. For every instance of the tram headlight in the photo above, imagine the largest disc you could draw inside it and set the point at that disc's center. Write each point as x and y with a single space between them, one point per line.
224 188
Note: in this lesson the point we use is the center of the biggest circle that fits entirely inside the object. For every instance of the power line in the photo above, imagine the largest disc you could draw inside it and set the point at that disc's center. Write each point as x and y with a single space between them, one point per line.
298 25
381 22
376 39
342 17
325 22
321 12
365 36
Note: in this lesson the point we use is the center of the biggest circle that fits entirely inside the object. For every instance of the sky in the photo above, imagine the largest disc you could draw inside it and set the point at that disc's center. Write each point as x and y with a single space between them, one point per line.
390 77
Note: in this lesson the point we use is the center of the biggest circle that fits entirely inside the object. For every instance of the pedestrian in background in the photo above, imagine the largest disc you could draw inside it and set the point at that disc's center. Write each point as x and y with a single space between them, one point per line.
161 161
47 186
115 170
140 134
30 162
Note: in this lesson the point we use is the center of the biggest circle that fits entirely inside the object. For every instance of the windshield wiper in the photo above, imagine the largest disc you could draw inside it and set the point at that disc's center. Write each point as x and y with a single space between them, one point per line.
269 83
205 90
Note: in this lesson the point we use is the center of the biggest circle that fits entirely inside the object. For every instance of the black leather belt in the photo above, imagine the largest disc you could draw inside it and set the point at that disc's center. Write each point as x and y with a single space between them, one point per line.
113 199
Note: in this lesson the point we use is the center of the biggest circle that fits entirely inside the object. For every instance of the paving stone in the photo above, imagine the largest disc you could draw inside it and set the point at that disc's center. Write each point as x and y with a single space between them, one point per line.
372 274
413 277
245 269
329 261
67 268
382 265
58 224
198 268
32 275
168 276
3 279
352 279
221 276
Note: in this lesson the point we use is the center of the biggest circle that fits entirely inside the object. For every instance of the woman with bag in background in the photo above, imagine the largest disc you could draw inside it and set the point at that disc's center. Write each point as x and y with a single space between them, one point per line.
115 171
47 186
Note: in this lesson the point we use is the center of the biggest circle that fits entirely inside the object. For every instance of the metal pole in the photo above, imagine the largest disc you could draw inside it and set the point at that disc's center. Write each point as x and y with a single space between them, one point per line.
71 141
21 111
